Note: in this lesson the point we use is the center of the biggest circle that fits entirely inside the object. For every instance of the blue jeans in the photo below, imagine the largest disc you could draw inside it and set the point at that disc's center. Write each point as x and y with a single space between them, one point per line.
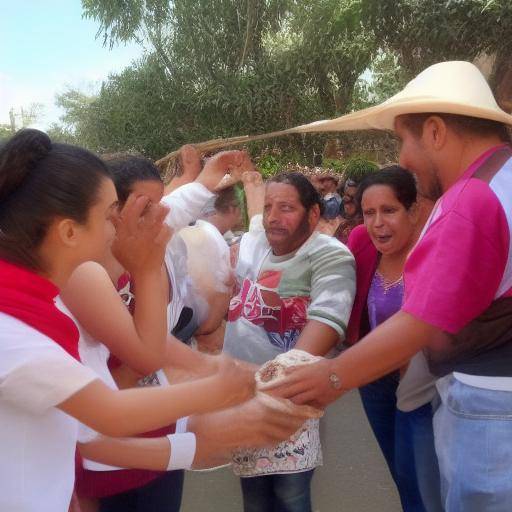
414 442
473 435
407 443
160 495
278 493
379 403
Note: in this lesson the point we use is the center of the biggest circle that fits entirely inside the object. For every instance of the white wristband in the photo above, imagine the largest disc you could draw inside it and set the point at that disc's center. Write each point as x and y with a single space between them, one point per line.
183 450
182 425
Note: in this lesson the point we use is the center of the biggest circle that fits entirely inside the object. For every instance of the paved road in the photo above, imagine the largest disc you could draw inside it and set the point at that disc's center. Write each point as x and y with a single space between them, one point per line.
354 477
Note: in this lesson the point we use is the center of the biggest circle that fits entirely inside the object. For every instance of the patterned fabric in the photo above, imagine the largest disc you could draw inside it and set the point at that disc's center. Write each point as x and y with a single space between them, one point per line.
301 452
346 226
260 303
276 297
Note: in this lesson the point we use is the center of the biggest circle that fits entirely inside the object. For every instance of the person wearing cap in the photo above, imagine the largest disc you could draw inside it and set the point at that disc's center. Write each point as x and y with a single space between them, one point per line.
458 281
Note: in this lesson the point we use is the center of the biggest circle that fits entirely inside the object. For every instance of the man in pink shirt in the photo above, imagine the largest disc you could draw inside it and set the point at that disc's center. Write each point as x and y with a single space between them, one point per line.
458 281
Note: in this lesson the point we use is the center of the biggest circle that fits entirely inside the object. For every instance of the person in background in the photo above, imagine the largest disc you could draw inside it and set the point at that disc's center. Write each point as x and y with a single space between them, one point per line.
399 405
211 283
223 211
350 214
327 188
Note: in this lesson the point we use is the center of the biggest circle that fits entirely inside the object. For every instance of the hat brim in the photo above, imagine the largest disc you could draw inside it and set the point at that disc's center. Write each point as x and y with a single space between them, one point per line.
382 117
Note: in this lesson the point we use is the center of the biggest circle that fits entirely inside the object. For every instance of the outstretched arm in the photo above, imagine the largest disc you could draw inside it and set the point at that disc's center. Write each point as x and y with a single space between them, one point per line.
383 350
217 435
132 411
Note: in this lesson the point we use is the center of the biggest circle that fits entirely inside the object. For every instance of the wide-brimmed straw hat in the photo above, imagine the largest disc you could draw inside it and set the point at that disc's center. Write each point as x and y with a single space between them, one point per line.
454 87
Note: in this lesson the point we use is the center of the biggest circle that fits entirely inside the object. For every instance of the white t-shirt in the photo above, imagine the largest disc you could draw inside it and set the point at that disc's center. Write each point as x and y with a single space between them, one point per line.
277 296
207 263
185 205
94 355
37 440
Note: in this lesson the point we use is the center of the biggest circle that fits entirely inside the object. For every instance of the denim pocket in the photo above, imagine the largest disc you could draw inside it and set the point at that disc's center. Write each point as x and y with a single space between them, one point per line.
477 403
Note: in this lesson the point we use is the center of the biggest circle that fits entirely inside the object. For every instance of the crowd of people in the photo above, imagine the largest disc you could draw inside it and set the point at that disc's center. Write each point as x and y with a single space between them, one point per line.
133 315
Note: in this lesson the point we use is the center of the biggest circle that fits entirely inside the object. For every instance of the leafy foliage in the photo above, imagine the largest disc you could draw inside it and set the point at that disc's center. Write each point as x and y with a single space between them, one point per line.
357 167
5 131
269 165
424 32
218 68
334 164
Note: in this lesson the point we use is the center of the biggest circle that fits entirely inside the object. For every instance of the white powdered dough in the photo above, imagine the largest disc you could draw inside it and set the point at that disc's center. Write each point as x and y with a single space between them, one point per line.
273 371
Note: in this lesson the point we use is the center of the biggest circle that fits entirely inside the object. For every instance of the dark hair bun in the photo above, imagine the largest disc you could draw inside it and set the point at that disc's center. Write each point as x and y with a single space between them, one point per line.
19 155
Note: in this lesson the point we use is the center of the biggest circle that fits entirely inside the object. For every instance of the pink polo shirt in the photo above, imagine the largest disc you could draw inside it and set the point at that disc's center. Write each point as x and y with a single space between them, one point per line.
462 262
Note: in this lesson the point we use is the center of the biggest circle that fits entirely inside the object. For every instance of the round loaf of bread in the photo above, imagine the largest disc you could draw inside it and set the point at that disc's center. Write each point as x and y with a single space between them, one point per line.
273 371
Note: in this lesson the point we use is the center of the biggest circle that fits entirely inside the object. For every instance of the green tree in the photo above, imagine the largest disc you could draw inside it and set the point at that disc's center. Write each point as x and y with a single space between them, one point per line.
217 68
224 67
421 33
5 131
59 133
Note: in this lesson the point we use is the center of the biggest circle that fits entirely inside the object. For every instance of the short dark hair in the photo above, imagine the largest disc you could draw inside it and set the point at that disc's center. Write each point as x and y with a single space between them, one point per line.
400 180
225 200
126 169
460 124
39 181
308 194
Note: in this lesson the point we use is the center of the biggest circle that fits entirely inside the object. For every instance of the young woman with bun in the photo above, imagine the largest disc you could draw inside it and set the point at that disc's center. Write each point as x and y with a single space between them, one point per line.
57 208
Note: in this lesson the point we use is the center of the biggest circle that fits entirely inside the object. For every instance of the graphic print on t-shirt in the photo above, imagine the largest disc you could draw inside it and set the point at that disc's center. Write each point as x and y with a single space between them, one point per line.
259 302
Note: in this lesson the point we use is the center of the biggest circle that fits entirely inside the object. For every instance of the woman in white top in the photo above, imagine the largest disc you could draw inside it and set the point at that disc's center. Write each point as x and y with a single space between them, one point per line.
57 204
139 340
124 334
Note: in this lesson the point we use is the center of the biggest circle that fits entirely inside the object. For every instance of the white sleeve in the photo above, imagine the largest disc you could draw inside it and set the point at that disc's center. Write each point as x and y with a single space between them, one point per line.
183 451
256 223
182 425
44 382
35 372
185 204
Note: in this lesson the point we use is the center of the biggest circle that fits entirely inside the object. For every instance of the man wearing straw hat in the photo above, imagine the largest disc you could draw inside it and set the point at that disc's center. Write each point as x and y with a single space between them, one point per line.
458 281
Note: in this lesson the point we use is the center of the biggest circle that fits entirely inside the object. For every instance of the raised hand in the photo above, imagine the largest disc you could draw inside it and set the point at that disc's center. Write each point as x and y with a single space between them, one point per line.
232 163
141 235
254 192
190 162
252 178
